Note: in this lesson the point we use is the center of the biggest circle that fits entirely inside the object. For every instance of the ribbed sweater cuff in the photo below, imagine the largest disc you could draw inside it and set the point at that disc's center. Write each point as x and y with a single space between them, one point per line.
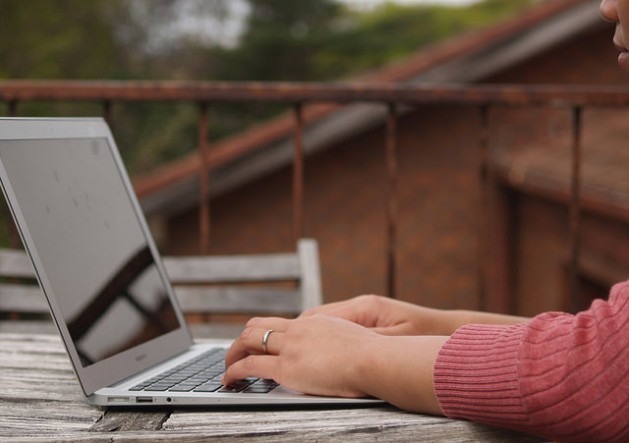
476 375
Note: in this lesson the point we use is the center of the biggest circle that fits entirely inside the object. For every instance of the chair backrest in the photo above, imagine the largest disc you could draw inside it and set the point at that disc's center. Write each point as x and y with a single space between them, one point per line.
241 283
22 304
234 284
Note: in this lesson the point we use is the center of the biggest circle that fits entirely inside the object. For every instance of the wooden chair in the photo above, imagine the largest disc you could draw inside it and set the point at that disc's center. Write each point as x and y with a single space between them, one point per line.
206 287
23 307
214 287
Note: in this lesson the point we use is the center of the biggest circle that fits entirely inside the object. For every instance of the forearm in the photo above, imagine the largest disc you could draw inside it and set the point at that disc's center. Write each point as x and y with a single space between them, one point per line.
460 318
557 376
429 321
399 370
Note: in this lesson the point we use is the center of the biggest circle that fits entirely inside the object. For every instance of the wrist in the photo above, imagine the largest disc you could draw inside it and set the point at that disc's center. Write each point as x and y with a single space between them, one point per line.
399 370
464 317
432 321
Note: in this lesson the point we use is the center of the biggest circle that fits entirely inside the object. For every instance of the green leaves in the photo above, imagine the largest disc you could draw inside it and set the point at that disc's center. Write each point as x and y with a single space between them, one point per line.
283 40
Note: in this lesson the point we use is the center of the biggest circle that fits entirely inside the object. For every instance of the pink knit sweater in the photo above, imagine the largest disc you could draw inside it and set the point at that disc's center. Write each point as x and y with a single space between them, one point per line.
560 376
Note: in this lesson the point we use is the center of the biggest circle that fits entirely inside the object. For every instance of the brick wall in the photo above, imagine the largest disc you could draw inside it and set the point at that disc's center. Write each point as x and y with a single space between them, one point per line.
438 195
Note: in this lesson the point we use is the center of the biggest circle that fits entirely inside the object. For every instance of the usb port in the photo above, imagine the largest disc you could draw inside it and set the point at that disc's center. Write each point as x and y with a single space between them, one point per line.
144 400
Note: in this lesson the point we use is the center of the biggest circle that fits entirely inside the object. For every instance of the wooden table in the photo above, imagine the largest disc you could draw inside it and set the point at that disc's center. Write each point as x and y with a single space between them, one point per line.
40 400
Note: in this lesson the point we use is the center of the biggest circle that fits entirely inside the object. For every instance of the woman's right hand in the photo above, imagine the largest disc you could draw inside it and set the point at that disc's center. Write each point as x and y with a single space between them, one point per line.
388 316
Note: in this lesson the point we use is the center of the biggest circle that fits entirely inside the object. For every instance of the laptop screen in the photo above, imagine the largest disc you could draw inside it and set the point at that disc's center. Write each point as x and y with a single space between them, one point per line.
94 251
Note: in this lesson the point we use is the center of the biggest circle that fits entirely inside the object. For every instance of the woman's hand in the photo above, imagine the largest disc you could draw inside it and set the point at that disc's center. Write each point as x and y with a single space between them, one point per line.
393 317
322 355
390 317
315 354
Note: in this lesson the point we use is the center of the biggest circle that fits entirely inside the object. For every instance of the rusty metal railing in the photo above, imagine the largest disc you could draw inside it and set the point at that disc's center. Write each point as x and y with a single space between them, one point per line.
391 96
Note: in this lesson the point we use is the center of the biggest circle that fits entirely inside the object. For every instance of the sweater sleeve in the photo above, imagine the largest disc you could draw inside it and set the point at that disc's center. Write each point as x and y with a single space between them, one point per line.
560 376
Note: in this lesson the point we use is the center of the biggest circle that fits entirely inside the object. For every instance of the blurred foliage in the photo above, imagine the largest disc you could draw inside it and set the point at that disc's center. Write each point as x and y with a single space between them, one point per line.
393 31
322 40
282 40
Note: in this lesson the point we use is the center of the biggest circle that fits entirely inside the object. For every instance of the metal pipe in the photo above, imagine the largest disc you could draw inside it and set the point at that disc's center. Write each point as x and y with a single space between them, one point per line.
107 112
298 175
575 209
484 225
391 199
169 91
12 108
204 179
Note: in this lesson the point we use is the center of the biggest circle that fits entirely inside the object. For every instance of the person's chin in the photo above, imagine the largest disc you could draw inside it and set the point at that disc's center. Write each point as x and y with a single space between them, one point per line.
623 60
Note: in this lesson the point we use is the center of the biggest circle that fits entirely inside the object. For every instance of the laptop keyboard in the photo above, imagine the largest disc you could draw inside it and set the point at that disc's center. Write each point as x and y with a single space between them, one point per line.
203 374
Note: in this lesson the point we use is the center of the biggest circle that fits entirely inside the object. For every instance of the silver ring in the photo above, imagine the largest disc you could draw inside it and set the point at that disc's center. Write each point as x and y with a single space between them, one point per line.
265 339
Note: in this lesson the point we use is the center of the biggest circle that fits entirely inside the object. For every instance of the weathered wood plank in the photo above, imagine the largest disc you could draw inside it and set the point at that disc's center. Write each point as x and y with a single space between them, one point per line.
357 424
217 329
22 298
233 299
41 398
45 416
28 326
15 263
130 420
226 269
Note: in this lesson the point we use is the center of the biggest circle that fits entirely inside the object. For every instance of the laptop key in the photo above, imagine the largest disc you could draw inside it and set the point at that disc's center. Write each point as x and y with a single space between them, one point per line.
236 386
183 388
157 388
257 390
261 386
208 387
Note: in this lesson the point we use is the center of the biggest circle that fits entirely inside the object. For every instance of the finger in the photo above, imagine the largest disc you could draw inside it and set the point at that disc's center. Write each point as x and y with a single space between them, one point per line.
261 366
250 343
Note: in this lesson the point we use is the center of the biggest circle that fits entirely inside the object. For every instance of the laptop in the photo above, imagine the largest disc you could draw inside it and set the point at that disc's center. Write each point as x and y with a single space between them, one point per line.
100 271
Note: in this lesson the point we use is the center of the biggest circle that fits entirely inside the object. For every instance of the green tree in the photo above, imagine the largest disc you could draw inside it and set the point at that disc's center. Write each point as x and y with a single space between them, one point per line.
393 31
48 39
281 41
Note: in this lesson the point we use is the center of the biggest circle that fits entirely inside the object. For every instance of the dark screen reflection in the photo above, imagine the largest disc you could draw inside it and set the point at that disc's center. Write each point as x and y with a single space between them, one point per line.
135 291
90 241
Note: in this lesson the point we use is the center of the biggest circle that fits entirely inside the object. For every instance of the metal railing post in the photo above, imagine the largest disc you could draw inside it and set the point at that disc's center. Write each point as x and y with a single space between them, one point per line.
298 174
484 220
575 209
391 200
204 179
12 108
107 112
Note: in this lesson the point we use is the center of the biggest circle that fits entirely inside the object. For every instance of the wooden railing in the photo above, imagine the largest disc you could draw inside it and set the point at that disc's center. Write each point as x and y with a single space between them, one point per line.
298 96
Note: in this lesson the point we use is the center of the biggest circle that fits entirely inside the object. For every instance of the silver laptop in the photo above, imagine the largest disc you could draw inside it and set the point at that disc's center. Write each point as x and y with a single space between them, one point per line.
100 271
